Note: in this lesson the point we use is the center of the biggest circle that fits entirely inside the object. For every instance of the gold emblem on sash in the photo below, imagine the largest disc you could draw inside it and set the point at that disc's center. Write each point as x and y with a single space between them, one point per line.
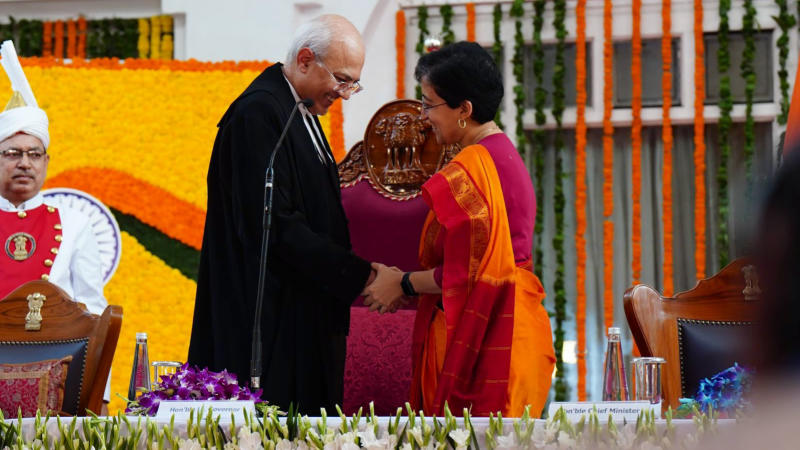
17 246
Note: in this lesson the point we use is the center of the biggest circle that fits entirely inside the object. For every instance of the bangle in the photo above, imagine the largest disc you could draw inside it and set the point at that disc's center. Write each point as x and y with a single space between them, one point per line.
408 288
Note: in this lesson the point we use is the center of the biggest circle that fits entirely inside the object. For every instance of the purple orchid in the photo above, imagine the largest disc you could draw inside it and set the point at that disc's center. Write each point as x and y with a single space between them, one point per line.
191 383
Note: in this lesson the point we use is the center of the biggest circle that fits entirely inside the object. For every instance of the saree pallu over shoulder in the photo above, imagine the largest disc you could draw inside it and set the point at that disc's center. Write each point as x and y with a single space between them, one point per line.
476 364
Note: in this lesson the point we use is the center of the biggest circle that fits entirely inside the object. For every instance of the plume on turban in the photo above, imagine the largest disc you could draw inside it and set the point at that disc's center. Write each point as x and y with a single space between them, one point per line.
22 115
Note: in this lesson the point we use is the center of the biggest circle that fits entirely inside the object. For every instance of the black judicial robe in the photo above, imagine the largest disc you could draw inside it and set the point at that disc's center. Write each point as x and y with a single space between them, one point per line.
312 276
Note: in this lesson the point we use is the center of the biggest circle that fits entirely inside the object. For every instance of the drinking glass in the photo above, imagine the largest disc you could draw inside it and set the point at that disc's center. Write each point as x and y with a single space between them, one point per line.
647 375
164 368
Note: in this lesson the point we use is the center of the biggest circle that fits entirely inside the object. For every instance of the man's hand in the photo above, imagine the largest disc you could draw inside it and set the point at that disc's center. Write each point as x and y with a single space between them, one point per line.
385 294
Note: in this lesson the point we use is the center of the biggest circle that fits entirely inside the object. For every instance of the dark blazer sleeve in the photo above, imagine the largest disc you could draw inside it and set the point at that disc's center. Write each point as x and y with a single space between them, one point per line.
303 254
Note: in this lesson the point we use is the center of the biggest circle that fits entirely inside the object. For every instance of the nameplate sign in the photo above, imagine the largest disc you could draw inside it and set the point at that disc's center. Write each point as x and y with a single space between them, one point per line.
628 411
222 408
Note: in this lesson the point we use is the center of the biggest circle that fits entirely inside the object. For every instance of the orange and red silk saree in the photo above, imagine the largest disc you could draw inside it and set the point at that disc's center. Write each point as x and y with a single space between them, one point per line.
490 346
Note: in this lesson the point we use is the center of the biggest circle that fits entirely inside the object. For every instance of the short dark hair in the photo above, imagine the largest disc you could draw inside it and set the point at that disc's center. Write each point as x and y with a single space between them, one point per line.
464 71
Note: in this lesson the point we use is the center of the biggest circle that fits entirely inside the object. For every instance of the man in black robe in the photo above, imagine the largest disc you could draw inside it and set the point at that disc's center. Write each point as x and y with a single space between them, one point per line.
312 276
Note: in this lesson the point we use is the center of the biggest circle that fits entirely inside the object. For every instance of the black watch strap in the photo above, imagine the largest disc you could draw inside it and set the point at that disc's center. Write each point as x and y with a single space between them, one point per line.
408 288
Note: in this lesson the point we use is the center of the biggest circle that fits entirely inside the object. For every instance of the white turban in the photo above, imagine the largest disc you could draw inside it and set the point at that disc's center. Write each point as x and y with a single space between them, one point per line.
25 119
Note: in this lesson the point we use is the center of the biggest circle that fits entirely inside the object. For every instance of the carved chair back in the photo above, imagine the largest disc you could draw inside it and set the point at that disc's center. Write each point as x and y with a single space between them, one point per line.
699 332
38 321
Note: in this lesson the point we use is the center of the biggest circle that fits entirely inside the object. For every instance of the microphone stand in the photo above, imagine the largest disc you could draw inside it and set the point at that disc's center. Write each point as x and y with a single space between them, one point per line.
255 354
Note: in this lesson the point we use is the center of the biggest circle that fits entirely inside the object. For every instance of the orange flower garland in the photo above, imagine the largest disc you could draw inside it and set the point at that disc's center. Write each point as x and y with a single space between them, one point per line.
190 65
82 30
471 22
72 38
400 49
608 168
47 39
58 47
666 137
580 194
172 216
336 136
636 138
699 145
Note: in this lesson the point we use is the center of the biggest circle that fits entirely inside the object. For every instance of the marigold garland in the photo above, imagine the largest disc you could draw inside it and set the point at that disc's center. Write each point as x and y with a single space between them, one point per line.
666 137
155 37
636 139
143 44
400 51
336 134
82 28
470 22
47 39
580 195
58 46
166 37
699 144
608 168
189 65
72 38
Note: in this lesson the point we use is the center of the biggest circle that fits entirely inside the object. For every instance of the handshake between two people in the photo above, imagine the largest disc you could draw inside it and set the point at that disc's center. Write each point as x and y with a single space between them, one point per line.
383 292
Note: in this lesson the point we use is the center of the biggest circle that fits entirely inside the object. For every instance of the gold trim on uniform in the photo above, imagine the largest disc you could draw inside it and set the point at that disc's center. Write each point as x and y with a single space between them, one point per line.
48 262
19 241
22 214
51 209
58 238
57 226
45 277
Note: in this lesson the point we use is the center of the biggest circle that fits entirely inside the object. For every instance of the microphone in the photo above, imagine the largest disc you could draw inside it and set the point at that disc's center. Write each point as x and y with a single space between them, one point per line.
255 354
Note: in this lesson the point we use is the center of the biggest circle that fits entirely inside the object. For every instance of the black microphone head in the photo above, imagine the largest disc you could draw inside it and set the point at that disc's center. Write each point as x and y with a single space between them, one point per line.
307 102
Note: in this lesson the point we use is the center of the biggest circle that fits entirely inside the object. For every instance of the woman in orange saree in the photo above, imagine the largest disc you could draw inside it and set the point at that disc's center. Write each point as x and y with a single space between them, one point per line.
482 339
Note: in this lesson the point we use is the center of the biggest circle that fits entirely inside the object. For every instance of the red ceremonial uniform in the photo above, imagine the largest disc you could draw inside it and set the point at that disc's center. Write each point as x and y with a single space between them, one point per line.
31 240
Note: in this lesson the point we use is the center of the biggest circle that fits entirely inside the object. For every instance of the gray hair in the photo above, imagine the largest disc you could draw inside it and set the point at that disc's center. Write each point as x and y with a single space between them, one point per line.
315 34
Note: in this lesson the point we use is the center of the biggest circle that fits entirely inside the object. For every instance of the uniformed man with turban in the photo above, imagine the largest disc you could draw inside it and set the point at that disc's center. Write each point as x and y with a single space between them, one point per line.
40 241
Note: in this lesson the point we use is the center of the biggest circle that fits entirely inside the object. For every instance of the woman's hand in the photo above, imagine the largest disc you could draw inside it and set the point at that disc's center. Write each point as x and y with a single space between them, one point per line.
385 293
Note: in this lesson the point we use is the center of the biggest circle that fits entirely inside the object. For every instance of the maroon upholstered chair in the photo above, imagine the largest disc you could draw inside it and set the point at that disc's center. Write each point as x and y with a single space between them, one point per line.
381 178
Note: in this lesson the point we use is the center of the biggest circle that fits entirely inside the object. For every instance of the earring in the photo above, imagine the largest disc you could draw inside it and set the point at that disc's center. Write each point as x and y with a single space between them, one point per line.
462 123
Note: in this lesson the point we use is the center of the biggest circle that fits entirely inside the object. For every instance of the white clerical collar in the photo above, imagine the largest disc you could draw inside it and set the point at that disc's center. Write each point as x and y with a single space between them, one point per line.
34 202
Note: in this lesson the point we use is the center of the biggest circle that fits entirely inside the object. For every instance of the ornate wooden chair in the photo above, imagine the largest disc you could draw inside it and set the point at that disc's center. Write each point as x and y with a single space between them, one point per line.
699 332
381 178
38 321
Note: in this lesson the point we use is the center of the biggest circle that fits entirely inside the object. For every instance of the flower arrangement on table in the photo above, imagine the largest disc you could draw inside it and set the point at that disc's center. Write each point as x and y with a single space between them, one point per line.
724 393
192 383
412 432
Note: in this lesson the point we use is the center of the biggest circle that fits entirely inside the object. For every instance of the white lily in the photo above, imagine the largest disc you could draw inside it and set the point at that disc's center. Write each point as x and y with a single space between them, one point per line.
507 442
460 437
565 441
249 440
189 444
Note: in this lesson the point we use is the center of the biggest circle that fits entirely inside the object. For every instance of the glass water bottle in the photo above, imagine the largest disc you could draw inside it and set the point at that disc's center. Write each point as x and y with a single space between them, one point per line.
140 372
615 384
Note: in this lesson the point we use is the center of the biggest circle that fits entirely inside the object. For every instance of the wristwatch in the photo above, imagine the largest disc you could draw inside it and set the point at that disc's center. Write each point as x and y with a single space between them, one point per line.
408 288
